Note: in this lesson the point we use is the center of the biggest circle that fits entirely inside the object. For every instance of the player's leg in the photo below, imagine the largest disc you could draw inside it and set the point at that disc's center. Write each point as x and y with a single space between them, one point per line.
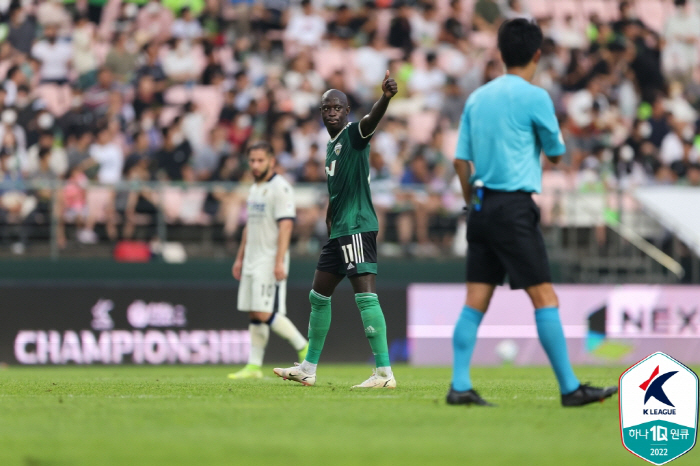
465 331
525 259
551 334
484 272
328 275
282 326
259 331
361 256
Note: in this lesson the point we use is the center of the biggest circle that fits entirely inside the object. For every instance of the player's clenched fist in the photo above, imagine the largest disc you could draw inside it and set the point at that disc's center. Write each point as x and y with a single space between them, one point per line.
389 86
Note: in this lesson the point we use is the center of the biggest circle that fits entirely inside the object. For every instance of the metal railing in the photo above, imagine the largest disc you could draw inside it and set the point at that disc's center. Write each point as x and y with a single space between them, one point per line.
591 236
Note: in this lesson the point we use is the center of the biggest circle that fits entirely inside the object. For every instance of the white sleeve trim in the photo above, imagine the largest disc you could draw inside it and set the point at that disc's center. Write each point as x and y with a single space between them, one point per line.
359 130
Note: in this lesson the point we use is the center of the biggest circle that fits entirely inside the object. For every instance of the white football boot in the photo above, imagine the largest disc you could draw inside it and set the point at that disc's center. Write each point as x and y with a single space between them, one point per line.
378 381
296 374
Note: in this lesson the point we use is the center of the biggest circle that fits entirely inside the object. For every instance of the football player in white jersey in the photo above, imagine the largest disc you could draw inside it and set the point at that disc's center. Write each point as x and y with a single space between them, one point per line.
262 262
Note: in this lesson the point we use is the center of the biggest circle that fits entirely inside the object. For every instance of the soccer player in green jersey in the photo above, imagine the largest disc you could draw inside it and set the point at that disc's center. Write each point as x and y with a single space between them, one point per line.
352 228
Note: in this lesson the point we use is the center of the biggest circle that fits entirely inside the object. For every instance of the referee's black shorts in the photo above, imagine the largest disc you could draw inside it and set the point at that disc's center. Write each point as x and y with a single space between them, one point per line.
505 238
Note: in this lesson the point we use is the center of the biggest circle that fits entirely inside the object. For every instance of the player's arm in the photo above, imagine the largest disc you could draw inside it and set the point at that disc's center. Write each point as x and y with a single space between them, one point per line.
546 126
284 237
370 121
463 155
328 218
238 263
285 213
464 172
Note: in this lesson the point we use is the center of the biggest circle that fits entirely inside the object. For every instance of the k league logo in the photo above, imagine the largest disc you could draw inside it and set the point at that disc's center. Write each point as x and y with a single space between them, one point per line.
659 409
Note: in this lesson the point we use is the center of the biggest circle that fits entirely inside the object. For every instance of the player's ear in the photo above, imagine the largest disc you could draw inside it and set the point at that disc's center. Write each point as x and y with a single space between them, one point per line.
536 57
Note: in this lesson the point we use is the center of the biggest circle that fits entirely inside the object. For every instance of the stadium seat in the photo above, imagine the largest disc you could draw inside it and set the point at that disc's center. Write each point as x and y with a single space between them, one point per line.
653 13
384 22
540 8
168 114
421 126
328 60
483 40
449 142
209 103
564 8
191 203
177 95
172 198
98 201
603 9
554 183
57 98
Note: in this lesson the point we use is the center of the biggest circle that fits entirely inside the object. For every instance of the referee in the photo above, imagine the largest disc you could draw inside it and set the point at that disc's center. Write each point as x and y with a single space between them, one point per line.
505 126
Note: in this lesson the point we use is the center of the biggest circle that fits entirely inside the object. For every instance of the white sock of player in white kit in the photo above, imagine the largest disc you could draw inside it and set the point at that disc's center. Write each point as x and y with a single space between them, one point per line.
259 334
284 327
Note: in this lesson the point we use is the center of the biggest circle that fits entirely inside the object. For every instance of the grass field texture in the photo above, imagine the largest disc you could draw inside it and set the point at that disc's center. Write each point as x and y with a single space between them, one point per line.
185 415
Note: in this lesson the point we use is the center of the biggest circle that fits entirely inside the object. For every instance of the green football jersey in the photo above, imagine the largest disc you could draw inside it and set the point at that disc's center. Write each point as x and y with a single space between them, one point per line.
347 168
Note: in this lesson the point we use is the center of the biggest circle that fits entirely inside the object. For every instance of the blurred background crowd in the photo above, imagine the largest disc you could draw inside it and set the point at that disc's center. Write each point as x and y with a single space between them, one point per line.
103 94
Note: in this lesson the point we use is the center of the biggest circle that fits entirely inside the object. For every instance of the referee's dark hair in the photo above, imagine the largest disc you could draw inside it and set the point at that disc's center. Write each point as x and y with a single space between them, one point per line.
518 40
261 145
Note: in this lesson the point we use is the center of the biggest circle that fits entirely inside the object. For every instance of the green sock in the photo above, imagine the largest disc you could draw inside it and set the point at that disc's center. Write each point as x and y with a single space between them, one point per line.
319 323
375 326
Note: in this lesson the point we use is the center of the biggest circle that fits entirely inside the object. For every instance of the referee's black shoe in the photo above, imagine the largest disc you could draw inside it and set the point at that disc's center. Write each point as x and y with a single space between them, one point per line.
470 397
586 394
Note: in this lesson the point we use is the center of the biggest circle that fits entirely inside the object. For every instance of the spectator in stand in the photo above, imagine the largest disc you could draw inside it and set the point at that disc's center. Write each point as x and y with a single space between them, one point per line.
400 33
154 23
659 121
305 29
487 15
186 26
681 33
206 161
151 66
96 98
84 59
13 79
213 73
516 9
55 155
121 61
179 64
429 83
425 29
147 96
8 125
22 30
343 25
175 155
109 158
55 56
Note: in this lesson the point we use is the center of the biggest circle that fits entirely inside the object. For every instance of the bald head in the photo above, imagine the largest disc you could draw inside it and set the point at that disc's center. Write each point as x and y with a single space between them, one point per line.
334 94
334 111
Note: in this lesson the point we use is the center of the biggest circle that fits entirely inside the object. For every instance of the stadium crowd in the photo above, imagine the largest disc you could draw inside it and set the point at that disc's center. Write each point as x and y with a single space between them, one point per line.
111 91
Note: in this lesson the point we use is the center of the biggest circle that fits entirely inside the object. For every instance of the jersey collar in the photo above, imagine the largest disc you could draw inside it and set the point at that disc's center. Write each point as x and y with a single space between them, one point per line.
339 133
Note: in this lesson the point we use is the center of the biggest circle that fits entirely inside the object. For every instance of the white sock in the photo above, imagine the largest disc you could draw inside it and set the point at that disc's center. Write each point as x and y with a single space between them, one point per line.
308 367
284 327
385 371
259 334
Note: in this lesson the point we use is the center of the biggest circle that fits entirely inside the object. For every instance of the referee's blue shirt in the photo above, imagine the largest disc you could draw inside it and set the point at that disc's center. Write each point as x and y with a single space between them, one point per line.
505 126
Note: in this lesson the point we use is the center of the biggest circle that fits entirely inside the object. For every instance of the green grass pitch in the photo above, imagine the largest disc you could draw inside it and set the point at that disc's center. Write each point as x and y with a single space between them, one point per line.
185 415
